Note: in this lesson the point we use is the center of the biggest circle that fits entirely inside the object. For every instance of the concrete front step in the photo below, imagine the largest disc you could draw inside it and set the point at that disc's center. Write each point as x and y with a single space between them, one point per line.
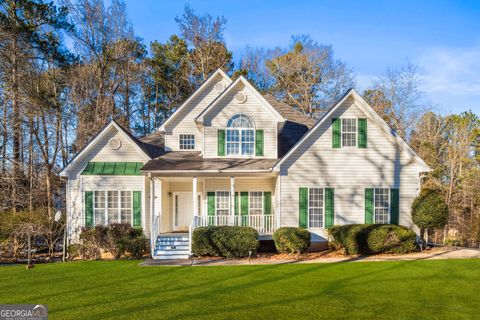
160 238
170 247
173 243
171 257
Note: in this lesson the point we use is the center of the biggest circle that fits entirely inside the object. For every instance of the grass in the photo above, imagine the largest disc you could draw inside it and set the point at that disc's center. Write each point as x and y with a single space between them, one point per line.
441 289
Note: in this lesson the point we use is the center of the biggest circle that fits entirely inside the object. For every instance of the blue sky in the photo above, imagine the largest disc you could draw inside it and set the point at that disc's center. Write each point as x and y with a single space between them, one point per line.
441 37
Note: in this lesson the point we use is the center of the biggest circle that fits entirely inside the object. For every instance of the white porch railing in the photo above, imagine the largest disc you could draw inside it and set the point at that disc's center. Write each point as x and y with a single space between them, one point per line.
263 223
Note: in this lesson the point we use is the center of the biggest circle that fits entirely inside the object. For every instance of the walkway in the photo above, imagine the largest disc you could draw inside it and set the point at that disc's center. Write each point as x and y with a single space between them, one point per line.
444 253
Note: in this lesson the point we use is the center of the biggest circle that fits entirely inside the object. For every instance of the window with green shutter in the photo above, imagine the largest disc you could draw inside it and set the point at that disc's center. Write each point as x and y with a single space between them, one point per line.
267 202
137 208
88 208
362 133
259 143
303 207
221 143
336 132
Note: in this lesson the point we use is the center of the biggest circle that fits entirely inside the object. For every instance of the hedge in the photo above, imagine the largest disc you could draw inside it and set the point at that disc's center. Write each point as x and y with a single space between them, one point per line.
292 240
225 241
373 238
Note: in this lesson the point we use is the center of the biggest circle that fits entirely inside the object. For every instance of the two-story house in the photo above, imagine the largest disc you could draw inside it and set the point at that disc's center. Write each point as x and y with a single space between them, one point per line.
232 156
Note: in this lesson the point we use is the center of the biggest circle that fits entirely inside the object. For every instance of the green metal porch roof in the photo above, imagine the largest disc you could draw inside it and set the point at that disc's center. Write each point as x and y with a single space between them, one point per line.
113 169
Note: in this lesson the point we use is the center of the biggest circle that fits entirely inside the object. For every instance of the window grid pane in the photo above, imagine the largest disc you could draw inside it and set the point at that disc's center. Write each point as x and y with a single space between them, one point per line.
187 142
112 202
382 205
126 206
240 136
349 132
222 203
99 207
315 208
256 202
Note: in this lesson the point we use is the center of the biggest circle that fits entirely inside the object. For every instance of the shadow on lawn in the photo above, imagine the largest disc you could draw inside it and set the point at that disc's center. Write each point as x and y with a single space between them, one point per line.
259 277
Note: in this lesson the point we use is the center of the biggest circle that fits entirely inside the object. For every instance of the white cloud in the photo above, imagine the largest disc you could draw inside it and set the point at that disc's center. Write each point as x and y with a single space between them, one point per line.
451 77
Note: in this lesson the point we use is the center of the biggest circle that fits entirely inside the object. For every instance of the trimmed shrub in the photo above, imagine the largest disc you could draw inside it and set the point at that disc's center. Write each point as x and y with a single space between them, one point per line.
117 238
202 242
225 241
429 210
292 240
373 238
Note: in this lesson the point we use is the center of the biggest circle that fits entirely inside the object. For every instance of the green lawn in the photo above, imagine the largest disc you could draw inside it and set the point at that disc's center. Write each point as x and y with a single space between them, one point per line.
442 289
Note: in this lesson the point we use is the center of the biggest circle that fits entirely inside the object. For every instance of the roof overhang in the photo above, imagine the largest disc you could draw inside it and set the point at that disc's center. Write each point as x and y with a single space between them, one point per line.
98 138
200 118
365 107
219 72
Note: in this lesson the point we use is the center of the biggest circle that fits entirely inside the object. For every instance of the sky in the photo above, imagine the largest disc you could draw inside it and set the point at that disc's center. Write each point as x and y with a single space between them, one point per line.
441 37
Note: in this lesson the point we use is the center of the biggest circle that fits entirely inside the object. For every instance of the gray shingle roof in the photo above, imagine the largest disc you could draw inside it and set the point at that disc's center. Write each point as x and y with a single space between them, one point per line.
192 160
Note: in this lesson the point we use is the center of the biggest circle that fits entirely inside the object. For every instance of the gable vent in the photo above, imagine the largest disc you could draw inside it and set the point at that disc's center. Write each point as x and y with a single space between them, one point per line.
219 87
241 97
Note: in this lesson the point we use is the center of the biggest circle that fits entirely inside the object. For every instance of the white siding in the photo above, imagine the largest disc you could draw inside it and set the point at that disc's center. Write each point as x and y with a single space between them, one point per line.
226 108
183 123
349 171
77 183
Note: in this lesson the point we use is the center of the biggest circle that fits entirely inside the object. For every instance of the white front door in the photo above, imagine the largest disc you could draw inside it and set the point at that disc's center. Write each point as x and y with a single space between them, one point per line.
183 210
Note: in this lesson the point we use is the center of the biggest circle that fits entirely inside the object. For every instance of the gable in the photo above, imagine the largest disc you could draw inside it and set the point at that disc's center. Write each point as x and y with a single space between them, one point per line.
198 101
101 150
382 140
240 85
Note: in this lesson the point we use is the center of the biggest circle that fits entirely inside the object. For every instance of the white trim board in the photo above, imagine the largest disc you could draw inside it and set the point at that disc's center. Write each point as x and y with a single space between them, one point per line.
368 110
195 94
97 139
241 79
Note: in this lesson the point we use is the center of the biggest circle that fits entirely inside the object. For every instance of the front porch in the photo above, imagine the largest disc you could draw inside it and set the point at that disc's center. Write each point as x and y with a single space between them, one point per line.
181 204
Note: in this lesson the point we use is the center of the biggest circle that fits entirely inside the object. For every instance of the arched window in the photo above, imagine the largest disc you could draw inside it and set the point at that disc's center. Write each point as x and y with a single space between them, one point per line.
240 136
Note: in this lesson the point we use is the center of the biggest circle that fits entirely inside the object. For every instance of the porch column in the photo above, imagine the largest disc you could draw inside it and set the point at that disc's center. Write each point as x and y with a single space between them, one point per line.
232 200
194 197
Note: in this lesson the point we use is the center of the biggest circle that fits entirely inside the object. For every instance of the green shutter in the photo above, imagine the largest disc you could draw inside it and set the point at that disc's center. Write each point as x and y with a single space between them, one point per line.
362 133
329 207
302 204
369 205
244 203
137 208
88 208
221 142
211 203
259 143
336 129
236 204
267 202
244 208
394 206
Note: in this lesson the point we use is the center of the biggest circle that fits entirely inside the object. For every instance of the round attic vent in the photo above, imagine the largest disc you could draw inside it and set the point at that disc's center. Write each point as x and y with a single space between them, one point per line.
219 87
241 97
115 143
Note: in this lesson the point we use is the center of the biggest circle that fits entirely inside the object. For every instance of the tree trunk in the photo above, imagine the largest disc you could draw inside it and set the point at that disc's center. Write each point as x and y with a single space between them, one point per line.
16 126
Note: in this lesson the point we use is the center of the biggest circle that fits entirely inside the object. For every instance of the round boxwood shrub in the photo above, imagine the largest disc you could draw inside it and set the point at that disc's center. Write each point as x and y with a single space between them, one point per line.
373 238
429 210
225 241
291 240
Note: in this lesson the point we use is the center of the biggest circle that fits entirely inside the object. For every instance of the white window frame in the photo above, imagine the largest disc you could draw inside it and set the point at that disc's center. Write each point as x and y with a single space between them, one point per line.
228 202
183 138
349 132
240 143
250 202
119 205
375 206
322 207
